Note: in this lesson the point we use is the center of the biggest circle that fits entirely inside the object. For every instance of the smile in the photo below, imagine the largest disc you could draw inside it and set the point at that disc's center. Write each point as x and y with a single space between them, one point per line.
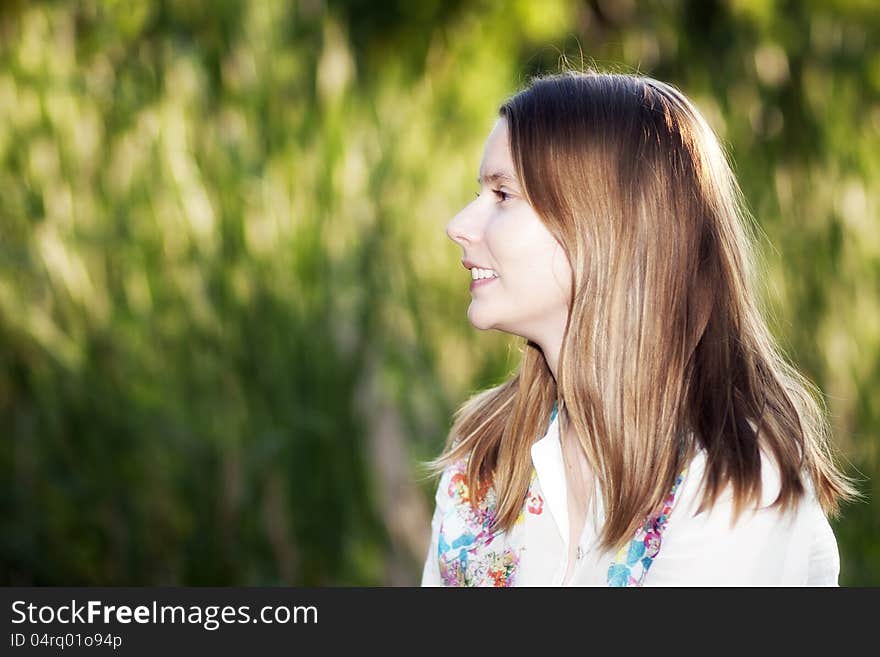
480 282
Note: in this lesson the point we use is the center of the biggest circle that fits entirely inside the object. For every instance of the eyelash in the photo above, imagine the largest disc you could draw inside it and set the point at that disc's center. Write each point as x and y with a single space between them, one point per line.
504 196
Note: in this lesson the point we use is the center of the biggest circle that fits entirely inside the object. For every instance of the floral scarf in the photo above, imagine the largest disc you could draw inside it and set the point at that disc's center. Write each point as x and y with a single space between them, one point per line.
463 563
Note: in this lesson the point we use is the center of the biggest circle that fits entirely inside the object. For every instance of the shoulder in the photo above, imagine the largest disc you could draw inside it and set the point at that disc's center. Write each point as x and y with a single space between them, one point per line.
764 545
454 491
694 486
756 521
452 485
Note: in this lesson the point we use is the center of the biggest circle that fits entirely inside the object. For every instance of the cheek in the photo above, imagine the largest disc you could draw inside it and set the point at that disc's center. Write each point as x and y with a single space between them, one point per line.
548 288
535 281
562 274
528 258
503 244
517 244
547 281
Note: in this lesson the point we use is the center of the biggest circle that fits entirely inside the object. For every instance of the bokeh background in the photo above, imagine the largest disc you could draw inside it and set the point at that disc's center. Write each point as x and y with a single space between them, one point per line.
231 322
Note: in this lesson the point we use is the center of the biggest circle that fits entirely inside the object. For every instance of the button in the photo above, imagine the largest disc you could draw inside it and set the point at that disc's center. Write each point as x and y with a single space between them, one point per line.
580 553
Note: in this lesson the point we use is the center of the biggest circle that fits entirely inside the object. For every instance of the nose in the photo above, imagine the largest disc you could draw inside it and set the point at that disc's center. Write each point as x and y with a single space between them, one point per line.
465 227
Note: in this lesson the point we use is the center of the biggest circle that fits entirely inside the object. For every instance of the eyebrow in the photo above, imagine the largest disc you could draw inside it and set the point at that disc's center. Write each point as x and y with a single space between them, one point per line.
498 176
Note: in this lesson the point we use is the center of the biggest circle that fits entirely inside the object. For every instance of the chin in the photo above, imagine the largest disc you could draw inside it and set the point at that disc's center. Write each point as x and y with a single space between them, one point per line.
479 322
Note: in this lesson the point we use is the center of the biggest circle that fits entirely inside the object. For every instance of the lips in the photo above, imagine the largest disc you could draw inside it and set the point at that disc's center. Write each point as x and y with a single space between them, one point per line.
480 282
468 264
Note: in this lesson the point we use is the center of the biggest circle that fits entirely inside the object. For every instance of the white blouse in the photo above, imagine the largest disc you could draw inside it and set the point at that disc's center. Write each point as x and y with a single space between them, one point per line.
764 548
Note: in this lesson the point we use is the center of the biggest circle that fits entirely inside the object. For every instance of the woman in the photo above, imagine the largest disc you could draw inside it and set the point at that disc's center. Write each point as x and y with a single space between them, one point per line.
678 448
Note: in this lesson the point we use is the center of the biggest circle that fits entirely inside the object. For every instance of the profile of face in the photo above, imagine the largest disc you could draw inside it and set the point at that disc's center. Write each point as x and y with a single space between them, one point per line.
501 234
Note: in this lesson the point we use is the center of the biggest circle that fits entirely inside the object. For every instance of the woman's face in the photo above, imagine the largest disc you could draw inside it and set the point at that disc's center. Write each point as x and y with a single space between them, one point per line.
501 232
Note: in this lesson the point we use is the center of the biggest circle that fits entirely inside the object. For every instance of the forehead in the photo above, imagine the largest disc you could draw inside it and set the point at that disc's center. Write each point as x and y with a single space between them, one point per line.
497 163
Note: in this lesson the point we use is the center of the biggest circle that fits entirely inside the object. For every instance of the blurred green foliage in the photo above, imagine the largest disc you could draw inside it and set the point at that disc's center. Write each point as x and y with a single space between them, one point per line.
230 318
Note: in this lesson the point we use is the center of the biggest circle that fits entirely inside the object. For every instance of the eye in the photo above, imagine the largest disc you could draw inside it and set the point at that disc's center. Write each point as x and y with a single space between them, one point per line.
502 195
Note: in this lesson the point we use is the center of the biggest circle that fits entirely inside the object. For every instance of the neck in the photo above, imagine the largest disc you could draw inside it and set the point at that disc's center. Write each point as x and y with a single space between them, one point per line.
552 357
551 349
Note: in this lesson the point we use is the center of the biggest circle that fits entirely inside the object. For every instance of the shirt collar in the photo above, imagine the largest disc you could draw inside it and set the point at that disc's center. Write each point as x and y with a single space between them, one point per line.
550 467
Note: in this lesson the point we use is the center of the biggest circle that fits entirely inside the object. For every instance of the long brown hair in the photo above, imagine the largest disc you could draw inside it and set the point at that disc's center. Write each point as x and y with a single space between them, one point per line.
666 348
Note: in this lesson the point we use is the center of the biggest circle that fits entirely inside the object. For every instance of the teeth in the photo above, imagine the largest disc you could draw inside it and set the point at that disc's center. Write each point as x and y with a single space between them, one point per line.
477 273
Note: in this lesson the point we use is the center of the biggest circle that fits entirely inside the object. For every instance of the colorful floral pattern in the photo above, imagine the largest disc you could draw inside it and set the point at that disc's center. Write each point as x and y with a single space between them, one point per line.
464 537
535 503
533 500
632 562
